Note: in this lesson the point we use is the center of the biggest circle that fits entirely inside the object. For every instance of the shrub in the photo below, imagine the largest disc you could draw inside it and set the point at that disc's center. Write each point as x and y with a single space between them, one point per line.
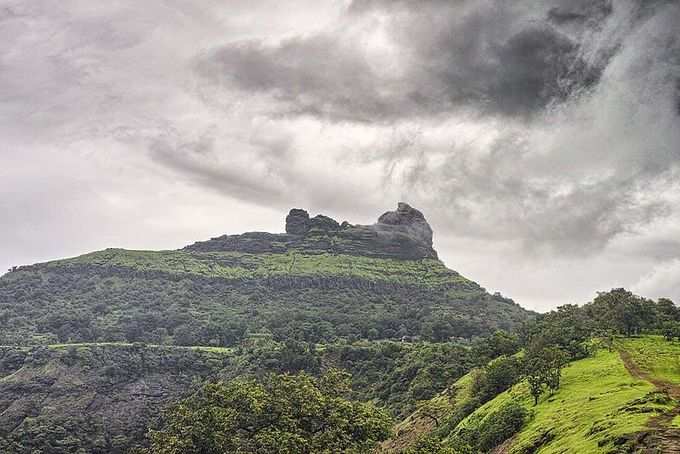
501 425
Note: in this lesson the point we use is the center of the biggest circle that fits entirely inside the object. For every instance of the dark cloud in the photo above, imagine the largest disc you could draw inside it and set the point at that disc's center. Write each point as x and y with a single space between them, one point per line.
580 11
447 56
319 76
534 68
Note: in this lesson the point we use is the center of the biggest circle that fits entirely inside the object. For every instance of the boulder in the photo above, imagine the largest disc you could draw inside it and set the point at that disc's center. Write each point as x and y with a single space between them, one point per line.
297 222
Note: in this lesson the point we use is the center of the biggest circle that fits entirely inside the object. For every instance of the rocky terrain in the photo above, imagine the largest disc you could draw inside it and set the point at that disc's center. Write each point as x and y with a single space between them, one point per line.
402 234
92 398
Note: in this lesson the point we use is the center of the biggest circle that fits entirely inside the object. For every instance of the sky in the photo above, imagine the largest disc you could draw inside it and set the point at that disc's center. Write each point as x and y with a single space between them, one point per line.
541 139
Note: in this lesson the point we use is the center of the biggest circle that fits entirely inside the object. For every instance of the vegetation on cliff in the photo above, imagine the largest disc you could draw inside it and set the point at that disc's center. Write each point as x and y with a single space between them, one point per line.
220 293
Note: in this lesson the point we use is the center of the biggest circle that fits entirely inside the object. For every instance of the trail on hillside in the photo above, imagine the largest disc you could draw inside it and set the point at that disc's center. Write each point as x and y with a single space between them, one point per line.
661 434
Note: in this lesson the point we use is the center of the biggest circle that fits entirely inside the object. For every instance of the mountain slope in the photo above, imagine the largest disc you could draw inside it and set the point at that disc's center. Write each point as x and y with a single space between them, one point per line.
321 280
619 401
93 398
95 343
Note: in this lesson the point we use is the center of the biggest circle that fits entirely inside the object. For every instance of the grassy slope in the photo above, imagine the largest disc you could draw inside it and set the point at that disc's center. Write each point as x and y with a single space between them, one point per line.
598 403
235 265
655 356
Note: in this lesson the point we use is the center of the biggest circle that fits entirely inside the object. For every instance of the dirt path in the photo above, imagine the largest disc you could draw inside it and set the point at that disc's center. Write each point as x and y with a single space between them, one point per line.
671 389
662 437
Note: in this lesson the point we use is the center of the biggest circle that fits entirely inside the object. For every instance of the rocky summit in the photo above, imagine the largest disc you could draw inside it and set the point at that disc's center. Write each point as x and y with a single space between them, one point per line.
401 234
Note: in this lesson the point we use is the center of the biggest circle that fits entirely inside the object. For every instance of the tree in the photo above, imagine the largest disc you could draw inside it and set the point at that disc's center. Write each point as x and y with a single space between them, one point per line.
671 330
501 425
543 368
555 359
431 445
498 344
496 377
536 375
623 311
285 414
568 327
666 311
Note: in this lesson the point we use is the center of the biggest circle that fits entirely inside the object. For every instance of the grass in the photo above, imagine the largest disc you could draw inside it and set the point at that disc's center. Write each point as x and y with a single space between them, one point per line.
234 265
676 422
655 355
597 403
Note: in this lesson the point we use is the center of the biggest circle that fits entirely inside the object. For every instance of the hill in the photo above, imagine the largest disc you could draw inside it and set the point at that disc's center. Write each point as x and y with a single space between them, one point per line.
319 282
98 345
621 401
102 398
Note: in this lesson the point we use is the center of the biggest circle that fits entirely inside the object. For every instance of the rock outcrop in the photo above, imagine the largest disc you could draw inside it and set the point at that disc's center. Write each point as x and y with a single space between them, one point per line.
401 234
297 222
410 220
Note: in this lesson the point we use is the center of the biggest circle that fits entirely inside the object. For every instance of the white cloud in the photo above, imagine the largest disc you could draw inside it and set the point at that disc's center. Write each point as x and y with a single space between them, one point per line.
662 282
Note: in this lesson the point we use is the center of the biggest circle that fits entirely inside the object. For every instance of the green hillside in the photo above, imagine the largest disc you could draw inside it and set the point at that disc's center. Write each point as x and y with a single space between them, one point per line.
118 350
187 298
102 398
115 336
323 283
93 398
623 400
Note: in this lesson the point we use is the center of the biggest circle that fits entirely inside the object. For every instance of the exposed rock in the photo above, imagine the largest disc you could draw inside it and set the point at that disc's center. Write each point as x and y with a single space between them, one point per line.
402 234
297 222
405 214
324 224
411 220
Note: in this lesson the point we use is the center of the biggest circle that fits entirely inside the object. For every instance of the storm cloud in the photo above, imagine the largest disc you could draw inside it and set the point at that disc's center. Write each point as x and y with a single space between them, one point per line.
389 60
541 138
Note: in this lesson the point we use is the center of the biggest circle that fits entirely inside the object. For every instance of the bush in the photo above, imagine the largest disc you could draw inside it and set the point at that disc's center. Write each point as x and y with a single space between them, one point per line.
429 445
501 425
497 377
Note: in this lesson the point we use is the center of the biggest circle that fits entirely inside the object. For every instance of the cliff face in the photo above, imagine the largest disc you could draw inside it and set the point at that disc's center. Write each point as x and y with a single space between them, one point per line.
96 399
403 234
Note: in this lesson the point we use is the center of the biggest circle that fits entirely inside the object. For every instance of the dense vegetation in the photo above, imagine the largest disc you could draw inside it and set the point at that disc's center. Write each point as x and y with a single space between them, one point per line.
285 414
96 346
219 299
95 399
59 396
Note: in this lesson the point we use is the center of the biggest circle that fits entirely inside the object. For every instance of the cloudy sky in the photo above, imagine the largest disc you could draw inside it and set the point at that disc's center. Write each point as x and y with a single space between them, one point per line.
541 138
